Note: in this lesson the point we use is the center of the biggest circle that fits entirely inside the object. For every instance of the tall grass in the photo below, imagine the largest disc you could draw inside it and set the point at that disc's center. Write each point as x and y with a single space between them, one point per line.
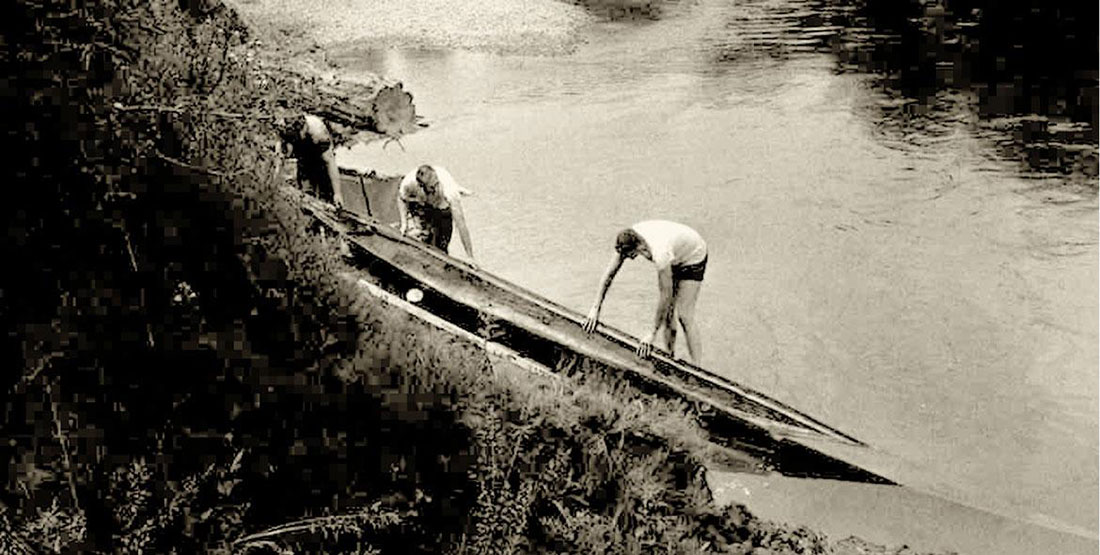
186 372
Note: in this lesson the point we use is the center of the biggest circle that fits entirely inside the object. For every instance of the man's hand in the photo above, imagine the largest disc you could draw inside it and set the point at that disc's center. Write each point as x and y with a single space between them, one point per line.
590 322
339 202
645 348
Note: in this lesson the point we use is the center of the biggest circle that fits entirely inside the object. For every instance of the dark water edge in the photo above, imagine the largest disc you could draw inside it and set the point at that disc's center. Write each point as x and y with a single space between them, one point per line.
1025 70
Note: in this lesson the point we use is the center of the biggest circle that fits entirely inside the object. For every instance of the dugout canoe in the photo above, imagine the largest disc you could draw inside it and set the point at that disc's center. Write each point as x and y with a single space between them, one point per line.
785 439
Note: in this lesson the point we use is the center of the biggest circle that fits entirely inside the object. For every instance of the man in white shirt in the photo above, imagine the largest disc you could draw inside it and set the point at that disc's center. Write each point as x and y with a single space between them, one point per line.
680 255
429 207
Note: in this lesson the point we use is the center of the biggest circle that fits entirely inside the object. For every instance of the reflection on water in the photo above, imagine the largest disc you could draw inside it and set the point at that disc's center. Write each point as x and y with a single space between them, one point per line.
1029 70
618 10
876 259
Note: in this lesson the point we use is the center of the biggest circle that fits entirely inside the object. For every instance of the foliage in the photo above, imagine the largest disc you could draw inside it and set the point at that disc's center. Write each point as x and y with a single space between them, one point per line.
187 371
163 291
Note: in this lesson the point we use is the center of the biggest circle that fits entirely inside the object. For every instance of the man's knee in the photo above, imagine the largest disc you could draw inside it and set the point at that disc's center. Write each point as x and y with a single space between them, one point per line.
686 321
670 324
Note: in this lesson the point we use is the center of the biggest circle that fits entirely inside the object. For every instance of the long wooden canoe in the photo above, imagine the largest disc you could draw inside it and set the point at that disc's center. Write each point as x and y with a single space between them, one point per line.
788 440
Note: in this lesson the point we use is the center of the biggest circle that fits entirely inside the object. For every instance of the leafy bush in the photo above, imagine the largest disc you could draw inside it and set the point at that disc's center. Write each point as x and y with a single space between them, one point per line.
187 371
167 308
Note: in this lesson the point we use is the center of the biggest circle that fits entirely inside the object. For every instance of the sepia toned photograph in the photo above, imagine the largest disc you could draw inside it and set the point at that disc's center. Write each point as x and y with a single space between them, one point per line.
748 277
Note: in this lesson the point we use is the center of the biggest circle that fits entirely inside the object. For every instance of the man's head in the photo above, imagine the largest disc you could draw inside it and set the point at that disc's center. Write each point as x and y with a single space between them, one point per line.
290 128
629 244
426 177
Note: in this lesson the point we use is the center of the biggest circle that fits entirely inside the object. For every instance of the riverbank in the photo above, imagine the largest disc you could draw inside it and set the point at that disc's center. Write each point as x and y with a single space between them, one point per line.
474 42
792 535
192 372
877 515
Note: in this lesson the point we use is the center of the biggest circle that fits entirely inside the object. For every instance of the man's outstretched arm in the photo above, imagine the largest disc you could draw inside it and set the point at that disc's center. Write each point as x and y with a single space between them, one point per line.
402 215
333 172
463 231
590 322
402 209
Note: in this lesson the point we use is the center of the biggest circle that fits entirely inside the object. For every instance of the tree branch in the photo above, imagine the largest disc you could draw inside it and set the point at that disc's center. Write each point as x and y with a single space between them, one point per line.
208 171
181 110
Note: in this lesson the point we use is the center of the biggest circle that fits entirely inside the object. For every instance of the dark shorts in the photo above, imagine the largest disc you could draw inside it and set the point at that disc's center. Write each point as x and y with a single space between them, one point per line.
312 171
431 225
693 272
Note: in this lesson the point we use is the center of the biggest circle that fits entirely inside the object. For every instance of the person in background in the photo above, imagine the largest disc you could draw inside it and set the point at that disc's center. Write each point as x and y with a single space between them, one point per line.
680 255
311 142
430 207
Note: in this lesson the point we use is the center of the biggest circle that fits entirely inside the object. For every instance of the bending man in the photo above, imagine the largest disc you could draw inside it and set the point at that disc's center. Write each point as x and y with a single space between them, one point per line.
311 142
429 208
680 255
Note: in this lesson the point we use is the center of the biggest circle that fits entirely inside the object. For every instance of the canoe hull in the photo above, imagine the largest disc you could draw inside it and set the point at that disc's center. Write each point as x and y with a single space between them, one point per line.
790 441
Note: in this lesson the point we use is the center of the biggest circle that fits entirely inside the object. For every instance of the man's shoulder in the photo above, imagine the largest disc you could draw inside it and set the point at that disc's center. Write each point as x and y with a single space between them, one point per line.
663 224
655 229
407 188
315 129
410 177
666 229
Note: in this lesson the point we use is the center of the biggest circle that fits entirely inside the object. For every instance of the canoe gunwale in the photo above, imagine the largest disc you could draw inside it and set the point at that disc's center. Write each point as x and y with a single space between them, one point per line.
791 432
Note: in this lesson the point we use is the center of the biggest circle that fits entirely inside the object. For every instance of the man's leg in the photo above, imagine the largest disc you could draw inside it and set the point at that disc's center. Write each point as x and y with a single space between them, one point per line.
308 174
670 321
332 175
443 221
684 302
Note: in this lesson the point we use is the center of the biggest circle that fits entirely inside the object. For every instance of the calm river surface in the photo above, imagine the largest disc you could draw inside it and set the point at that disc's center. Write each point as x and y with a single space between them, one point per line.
897 278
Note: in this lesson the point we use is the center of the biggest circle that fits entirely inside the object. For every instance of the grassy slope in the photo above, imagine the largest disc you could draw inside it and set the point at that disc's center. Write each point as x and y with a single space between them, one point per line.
186 371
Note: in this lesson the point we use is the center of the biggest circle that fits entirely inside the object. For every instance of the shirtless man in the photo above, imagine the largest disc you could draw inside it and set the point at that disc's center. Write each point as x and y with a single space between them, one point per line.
428 204
680 255
311 142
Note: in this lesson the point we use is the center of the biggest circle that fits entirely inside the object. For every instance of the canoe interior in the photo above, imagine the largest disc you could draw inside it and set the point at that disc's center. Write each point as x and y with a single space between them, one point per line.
373 196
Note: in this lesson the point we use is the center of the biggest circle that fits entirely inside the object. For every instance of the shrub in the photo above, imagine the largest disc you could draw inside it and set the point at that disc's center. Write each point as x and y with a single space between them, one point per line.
187 371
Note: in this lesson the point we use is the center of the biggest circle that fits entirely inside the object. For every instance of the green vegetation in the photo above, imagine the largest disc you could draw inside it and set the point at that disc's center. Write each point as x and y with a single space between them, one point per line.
186 372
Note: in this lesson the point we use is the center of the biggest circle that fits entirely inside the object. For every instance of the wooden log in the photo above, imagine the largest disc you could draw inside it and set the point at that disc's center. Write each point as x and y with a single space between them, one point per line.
378 107
310 84
384 108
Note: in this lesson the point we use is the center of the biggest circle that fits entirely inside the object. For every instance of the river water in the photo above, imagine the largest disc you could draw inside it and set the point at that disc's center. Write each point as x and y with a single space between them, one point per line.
881 263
